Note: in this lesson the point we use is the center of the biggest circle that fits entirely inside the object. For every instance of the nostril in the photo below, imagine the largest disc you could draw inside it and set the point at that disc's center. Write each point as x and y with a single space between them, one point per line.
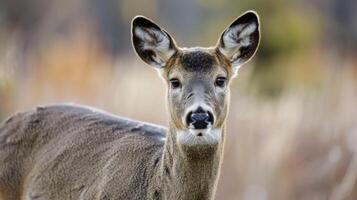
189 119
210 118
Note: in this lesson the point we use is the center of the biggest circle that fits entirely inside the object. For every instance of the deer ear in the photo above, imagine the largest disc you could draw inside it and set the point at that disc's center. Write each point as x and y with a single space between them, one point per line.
153 44
240 40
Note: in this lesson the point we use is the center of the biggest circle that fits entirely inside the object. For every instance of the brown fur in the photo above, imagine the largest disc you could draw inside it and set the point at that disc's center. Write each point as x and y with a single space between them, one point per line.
73 152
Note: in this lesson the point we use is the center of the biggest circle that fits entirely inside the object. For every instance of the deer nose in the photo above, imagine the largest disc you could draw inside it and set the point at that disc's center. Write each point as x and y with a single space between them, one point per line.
199 119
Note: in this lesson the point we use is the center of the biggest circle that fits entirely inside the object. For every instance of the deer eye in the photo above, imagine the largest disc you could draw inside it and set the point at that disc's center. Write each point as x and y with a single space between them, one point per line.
220 82
175 83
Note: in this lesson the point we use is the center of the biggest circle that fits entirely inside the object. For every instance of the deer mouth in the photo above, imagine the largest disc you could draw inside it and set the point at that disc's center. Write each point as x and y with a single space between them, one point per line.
199 132
199 137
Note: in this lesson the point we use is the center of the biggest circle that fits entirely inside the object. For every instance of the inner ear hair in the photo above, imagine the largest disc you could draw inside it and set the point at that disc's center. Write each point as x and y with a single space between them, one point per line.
239 41
153 44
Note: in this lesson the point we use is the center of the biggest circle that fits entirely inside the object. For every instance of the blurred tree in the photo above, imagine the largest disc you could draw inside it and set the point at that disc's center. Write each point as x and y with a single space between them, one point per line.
113 31
340 26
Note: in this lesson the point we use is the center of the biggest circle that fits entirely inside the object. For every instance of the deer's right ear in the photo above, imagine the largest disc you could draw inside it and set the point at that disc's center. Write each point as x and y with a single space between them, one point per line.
153 44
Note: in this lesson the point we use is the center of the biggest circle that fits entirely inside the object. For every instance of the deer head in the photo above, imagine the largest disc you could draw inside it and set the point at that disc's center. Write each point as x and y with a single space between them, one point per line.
198 78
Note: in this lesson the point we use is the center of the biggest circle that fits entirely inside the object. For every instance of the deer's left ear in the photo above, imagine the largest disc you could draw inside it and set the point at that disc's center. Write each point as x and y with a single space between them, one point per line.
239 42
153 44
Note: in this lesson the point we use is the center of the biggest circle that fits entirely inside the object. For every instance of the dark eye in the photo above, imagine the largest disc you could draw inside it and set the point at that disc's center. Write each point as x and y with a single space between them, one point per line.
175 83
220 82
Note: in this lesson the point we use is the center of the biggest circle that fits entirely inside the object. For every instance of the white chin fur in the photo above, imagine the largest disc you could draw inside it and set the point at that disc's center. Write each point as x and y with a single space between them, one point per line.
197 137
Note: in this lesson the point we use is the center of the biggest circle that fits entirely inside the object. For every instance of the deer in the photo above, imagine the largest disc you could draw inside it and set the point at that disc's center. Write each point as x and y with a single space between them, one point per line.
70 151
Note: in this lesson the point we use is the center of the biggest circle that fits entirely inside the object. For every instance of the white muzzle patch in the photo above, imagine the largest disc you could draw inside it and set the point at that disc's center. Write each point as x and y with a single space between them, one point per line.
197 137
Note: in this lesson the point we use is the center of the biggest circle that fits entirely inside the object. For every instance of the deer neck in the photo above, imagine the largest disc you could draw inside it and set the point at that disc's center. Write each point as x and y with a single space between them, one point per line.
190 172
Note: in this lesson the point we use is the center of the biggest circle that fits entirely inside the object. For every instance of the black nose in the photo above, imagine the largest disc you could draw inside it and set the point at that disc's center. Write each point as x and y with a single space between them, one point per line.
199 119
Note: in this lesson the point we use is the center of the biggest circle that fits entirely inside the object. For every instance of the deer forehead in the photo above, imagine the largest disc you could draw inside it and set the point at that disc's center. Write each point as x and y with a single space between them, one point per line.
196 62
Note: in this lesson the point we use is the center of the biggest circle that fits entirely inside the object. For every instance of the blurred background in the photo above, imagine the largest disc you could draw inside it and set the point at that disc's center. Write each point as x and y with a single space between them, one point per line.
292 126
